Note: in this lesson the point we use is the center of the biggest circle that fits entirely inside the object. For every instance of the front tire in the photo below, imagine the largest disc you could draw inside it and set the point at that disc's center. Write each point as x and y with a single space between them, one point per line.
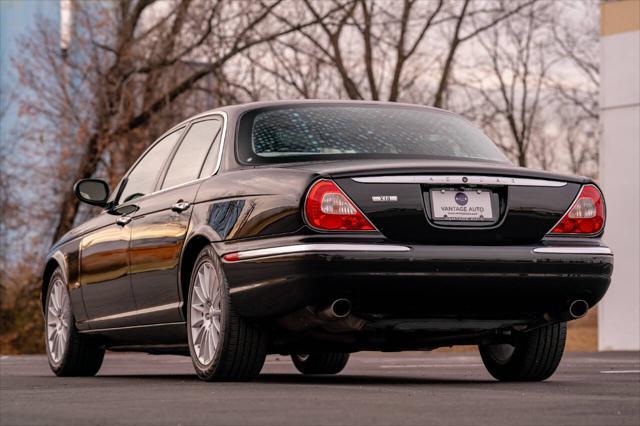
534 357
69 353
223 346
320 362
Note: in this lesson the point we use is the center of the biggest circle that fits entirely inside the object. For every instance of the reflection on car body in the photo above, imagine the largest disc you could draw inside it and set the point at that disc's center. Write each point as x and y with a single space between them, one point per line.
321 228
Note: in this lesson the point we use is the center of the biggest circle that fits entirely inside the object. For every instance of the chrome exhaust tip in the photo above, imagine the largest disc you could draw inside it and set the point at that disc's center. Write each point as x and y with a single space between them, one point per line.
578 308
339 308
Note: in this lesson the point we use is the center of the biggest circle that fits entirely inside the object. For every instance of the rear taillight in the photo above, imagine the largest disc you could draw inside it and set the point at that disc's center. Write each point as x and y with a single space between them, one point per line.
585 216
327 208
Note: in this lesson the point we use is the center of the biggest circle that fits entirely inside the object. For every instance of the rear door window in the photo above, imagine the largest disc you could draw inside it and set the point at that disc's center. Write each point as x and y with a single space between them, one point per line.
196 147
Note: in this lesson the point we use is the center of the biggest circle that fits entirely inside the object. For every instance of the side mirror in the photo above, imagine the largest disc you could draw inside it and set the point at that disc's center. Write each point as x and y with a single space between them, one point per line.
92 191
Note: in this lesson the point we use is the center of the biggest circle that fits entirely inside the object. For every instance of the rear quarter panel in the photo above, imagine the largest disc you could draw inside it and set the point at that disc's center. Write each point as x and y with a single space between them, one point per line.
250 203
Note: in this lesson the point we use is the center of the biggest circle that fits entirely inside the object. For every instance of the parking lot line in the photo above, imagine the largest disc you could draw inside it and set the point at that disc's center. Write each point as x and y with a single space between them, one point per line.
428 365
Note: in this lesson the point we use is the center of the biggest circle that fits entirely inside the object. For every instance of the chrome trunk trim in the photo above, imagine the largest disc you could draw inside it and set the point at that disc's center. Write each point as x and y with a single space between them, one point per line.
461 180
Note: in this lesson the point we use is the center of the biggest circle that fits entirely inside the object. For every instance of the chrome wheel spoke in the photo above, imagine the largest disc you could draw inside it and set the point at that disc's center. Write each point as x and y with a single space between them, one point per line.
211 336
54 300
59 291
198 307
215 342
199 294
206 281
215 300
200 334
63 340
56 344
204 347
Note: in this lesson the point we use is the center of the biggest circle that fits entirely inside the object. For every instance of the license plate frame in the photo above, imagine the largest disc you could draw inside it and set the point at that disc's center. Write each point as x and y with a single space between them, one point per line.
467 206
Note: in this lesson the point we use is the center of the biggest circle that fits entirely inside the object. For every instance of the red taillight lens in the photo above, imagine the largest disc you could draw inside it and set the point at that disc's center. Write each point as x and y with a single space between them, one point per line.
586 215
329 209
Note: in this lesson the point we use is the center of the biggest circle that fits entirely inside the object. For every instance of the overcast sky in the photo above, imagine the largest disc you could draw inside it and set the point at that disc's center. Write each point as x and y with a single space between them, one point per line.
16 17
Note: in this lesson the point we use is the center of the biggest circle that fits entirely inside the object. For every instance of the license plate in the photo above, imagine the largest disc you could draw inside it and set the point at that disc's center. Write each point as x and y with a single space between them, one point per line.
461 205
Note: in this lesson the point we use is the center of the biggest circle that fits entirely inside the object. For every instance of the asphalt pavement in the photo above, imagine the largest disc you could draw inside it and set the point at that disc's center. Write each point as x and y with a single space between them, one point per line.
375 389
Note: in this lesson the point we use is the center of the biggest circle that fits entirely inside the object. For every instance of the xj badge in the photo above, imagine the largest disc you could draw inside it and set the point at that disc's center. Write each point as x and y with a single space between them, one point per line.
384 198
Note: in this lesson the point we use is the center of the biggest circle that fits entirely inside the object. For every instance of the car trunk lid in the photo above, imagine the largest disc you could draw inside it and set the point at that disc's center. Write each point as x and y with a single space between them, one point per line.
454 202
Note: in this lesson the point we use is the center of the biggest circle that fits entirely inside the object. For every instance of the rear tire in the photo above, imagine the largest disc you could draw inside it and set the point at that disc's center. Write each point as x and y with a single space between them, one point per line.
223 346
69 352
320 362
534 357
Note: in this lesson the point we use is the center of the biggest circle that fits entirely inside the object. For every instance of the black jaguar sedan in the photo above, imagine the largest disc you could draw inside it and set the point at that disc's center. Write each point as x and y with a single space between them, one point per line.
316 229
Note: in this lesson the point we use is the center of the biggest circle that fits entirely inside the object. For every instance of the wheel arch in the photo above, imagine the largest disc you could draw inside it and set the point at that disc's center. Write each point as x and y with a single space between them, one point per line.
54 262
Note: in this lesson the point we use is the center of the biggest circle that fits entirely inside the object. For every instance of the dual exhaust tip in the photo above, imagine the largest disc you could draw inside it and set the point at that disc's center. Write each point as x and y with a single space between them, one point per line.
578 308
338 317
339 308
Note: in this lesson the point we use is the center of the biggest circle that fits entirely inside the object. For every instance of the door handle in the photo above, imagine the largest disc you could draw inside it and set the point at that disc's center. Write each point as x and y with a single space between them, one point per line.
123 220
180 207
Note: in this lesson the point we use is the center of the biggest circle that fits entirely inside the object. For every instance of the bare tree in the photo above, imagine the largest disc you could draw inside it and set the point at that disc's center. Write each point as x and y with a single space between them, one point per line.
126 69
382 49
513 85
485 18
366 46
577 87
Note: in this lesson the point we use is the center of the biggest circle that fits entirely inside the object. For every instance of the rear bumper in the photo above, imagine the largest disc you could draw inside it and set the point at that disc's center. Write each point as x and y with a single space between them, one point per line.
273 277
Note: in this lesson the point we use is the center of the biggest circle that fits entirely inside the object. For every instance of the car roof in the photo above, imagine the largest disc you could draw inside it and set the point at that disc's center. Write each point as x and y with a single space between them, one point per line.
240 108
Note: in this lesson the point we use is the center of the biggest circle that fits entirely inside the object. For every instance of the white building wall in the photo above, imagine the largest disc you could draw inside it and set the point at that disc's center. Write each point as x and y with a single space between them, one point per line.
619 312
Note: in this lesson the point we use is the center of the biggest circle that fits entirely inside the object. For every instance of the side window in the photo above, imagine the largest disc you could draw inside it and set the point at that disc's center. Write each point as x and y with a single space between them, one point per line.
142 179
192 153
212 157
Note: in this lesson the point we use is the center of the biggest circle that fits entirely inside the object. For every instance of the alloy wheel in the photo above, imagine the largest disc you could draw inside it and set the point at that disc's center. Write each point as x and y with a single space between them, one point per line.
502 352
58 321
206 314
302 357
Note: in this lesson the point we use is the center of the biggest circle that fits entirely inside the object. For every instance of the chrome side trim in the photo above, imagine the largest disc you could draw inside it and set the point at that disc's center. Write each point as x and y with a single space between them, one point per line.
310 248
129 327
573 250
223 139
460 179
153 309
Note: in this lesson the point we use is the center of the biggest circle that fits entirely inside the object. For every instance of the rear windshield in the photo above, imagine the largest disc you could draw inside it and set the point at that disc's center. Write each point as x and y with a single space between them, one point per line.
308 133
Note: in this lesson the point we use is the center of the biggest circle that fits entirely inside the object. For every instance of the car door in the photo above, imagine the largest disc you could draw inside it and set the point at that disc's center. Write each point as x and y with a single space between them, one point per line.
104 253
160 224
104 273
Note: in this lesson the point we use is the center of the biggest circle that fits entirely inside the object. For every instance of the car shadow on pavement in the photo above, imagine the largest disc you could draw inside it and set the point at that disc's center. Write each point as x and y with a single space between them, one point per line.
347 379
299 379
